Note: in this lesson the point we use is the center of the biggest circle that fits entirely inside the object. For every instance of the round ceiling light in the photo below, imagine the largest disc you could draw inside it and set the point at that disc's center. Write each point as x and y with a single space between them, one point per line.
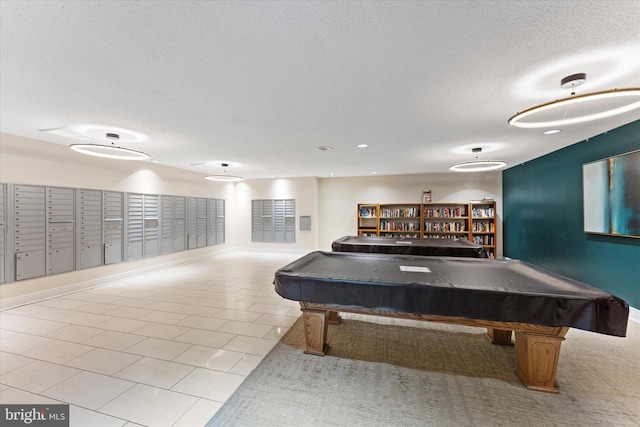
577 108
478 166
227 178
109 151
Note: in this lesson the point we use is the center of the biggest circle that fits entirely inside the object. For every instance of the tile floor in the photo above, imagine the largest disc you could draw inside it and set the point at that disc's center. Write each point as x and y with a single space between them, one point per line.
166 348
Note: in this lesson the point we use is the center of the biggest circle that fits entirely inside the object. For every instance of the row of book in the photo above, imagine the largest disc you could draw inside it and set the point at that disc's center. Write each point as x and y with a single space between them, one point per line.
484 240
444 226
444 212
483 212
444 236
399 212
399 226
368 212
483 226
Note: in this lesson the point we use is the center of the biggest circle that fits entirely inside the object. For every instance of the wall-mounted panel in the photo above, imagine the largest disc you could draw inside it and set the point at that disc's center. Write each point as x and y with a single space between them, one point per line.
220 224
192 223
151 225
3 233
30 231
166 224
113 227
135 226
179 223
201 211
89 229
60 230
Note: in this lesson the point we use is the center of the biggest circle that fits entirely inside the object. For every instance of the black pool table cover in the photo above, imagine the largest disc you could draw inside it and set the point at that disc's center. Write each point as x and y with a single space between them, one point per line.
476 288
407 246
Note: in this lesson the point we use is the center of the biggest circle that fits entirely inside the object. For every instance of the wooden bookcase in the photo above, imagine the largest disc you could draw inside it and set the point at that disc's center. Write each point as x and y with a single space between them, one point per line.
367 219
400 220
482 225
475 221
445 220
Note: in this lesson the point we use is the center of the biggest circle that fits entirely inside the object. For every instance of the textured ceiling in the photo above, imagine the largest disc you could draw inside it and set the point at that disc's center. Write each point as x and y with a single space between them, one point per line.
260 85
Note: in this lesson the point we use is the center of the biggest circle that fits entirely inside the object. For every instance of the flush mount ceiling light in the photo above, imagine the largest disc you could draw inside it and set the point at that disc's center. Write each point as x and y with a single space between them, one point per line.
110 151
478 165
224 176
577 108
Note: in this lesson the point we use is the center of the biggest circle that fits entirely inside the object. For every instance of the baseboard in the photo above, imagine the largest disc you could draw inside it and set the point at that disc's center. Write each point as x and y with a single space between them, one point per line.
634 314
19 300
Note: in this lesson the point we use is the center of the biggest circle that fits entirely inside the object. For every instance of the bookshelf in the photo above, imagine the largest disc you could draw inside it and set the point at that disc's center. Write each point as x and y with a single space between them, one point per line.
475 221
483 225
367 219
399 220
445 221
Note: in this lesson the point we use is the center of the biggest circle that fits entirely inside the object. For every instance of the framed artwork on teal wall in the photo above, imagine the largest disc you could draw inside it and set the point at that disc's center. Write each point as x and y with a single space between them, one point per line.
611 194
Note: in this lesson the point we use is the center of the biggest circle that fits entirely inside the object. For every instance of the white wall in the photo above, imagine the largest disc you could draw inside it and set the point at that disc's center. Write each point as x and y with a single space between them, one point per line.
331 202
303 190
338 197
28 161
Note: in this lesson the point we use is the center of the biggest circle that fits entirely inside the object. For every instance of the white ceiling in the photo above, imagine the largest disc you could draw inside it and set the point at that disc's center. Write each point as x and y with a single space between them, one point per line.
260 85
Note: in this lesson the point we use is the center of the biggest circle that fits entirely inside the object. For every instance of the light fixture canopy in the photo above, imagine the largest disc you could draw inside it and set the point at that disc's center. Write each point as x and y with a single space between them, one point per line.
109 151
527 118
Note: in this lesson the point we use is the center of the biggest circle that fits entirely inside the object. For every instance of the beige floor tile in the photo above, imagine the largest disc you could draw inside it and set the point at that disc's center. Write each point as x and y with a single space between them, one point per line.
114 340
38 376
93 307
210 358
131 302
270 309
10 361
88 390
163 317
257 346
9 321
154 372
246 364
202 322
73 333
241 316
129 312
197 310
18 342
150 406
165 306
103 361
161 330
12 396
205 338
276 333
158 348
58 351
61 303
81 417
209 384
37 326
275 320
245 328
87 319
121 324
199 414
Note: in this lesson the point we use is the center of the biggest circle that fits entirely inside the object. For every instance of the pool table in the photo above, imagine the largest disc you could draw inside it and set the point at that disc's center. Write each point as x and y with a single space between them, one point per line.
423 247
503 296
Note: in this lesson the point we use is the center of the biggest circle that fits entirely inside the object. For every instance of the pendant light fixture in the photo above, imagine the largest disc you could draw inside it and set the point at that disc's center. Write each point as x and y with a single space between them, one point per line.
110 151
623 100
478 165
224 176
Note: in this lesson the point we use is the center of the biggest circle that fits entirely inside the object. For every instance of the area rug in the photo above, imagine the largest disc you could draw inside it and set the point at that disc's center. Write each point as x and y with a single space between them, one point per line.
392 372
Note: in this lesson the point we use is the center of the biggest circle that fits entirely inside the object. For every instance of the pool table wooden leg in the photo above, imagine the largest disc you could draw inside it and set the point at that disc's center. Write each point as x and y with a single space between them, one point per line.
315 331
334 318
538 355
499 336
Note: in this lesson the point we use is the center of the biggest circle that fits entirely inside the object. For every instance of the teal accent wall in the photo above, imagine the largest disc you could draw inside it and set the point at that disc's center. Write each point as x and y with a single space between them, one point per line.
543 217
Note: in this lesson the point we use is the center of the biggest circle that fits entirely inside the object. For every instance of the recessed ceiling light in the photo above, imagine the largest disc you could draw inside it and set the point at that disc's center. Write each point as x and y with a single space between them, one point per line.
363 145
324 148
374 173
551 131
155 161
